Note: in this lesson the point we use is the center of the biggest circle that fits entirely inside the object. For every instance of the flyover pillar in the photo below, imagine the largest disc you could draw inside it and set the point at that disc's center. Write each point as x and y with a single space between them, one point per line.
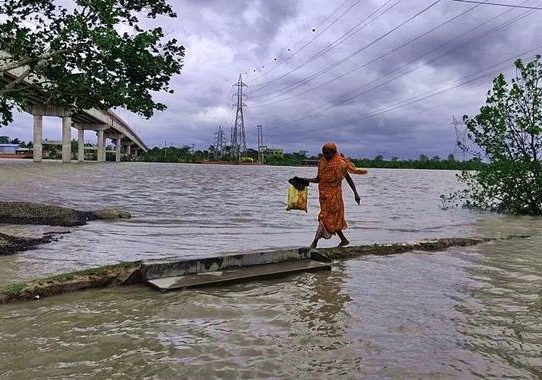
66 139
129 150
38 138
118 143
101 146
81 145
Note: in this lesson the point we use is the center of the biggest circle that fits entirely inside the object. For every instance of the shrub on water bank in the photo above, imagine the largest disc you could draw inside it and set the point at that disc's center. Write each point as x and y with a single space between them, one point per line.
421 163
508 132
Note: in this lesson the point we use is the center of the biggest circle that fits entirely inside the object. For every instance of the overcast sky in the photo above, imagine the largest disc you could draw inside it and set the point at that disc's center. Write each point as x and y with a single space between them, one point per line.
347 57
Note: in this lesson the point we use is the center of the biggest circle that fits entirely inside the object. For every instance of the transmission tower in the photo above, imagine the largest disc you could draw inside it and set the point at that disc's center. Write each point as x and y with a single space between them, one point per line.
261 147
460 137
219 143
238 139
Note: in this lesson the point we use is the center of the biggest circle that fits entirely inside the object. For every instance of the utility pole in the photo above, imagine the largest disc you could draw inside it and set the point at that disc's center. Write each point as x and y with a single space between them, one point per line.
261 147
238 138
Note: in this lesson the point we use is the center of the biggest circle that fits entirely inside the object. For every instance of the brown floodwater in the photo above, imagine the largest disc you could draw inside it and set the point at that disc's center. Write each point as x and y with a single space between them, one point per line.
461 313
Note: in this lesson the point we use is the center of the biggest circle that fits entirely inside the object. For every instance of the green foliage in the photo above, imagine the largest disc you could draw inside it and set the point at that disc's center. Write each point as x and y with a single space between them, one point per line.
13 289
287 159
296 159
86 54
301 158
22 144
508 131
174 154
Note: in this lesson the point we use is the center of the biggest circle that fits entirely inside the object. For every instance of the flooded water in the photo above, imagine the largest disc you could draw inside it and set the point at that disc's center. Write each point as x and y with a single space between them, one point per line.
462 313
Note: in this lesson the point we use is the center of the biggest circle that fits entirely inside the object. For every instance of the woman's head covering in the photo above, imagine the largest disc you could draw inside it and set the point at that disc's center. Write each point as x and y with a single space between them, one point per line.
330 146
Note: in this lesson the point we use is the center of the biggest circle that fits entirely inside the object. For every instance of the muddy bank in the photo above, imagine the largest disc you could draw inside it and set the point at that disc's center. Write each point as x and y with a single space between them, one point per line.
10 245
36 213
43 214
129 273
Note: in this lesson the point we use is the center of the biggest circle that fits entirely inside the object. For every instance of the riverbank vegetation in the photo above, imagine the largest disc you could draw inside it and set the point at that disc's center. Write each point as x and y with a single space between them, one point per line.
187 154
507 132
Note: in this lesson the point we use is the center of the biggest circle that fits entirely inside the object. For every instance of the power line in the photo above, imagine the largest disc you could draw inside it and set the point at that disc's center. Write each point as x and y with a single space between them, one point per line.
314 38
367 90
351 32
458 83
358 27
263 73
358 51
435 92
497 4
486 33
371 61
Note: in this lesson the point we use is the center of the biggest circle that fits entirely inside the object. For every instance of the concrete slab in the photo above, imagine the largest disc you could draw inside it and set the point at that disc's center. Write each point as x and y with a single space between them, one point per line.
181 266
238 274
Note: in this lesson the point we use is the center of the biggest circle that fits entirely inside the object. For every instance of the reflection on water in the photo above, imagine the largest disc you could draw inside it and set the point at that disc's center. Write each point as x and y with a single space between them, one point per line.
463 313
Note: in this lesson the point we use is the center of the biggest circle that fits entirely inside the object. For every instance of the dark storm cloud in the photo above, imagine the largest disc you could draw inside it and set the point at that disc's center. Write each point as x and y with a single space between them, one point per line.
225 38
435 132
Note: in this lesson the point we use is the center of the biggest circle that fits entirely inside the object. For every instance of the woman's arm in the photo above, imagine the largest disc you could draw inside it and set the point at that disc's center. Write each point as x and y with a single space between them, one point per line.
312 180
353 187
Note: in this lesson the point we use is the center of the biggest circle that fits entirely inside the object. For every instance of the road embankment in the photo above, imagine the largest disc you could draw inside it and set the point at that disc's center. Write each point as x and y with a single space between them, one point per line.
129 273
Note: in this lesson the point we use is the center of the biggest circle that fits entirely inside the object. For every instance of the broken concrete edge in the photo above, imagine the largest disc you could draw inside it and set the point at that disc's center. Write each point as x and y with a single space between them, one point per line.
129 273
10 245
52 215
125 273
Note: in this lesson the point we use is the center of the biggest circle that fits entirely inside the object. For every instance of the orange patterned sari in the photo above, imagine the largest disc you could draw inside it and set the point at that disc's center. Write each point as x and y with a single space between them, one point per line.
331 174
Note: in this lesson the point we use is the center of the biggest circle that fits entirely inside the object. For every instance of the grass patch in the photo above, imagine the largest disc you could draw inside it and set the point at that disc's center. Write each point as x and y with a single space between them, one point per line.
13 289
100 271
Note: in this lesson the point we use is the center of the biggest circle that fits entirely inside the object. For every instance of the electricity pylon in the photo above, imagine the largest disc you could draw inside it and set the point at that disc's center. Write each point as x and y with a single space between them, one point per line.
238 138
460 137
219 143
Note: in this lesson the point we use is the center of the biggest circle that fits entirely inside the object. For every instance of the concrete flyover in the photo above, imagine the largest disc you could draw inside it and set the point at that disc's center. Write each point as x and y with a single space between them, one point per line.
106 125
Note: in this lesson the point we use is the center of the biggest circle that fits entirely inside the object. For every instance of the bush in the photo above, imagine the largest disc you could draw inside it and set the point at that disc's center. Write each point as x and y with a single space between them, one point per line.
508 134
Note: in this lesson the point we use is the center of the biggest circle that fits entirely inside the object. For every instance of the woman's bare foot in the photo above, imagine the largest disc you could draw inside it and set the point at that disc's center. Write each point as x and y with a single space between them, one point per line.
343 243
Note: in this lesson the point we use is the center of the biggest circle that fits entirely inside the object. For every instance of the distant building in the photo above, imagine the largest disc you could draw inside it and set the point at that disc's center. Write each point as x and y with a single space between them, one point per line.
9 148
25 152
274 152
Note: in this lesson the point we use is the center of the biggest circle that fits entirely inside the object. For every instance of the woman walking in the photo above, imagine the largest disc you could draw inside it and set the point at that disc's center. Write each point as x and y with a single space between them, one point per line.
332 169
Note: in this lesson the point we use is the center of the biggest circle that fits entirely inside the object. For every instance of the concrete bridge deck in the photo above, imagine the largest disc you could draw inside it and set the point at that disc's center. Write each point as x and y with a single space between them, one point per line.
106 125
